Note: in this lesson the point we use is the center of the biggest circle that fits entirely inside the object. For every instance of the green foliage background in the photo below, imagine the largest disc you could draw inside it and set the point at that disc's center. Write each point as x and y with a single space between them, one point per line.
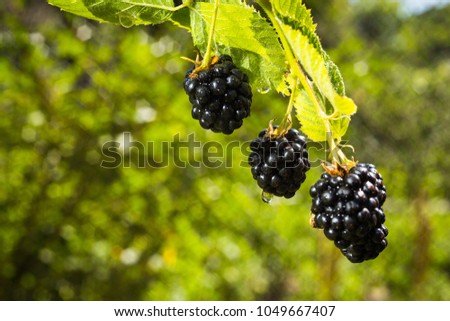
72 230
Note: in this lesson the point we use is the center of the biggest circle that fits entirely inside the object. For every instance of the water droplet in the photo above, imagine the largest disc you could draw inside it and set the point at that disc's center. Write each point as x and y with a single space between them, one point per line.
126 21
262 86
266 197
263 90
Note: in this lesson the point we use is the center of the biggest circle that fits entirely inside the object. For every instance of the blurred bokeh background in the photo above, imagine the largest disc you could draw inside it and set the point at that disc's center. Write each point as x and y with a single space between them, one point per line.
72 230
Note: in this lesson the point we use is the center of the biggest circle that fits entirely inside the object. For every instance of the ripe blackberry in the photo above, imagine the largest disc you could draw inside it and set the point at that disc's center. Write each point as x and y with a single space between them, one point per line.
220 96
279 165
348 209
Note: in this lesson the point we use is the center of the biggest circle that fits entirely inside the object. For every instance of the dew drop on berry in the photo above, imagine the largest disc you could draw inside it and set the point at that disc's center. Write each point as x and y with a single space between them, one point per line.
266 197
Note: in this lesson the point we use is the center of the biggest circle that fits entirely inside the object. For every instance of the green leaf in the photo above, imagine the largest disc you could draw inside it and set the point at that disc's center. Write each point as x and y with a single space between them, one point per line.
315 66
310 120
296 12
131 12
76 7
181 18
241 32
329 102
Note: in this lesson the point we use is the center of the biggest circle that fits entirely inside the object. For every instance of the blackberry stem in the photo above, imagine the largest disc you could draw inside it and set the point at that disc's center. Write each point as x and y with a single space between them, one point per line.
286 122
207 57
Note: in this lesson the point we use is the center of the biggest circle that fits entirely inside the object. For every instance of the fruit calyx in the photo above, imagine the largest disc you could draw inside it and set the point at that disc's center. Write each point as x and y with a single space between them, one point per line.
337 169
201 65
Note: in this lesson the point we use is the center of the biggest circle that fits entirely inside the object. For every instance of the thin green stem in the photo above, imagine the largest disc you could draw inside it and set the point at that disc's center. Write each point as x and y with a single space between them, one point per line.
297 70
287 120
293 63
208 53
292 99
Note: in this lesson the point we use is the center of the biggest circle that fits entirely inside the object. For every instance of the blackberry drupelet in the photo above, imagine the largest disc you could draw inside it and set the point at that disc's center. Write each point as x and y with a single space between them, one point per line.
279 165
220 96
349 210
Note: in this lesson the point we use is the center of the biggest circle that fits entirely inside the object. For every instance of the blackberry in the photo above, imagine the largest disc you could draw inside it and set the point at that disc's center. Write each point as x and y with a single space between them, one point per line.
279 165
220 96
349 210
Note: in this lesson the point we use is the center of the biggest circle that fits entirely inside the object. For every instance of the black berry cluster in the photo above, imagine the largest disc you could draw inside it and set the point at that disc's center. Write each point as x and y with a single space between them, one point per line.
349 211
220 96
279 165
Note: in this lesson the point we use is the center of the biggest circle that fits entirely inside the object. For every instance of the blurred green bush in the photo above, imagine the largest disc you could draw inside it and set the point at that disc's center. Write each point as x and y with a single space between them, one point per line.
73 230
